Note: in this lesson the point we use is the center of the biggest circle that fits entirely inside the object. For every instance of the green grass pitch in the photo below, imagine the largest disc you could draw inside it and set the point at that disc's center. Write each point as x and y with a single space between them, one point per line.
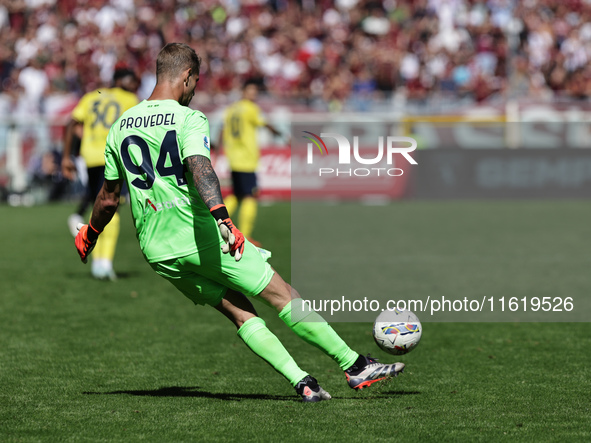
82 360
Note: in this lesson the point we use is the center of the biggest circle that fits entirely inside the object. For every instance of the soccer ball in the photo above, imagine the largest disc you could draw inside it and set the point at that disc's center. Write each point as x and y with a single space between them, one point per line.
397 332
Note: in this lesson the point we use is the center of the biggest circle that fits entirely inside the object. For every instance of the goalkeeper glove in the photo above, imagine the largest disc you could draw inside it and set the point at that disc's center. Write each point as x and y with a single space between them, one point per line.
85 240
233 238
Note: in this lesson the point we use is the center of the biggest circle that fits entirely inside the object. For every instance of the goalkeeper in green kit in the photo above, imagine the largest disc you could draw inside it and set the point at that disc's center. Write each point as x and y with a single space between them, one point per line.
160 148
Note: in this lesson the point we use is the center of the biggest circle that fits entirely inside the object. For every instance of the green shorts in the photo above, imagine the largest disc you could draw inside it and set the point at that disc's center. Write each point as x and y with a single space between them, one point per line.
204 277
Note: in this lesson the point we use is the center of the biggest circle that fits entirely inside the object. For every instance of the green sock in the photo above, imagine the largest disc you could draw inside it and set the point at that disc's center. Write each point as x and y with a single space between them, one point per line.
266 345
313 329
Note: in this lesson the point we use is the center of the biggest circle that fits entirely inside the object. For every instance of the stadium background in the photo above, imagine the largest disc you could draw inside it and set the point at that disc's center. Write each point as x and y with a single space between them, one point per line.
496 92
395 60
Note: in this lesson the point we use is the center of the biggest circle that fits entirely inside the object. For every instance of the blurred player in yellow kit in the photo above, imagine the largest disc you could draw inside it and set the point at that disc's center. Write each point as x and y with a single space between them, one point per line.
239 142
94 115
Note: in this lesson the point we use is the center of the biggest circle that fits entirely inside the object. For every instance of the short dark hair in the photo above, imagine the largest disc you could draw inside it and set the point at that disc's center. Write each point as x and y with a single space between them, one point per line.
251 81
122 73
175 58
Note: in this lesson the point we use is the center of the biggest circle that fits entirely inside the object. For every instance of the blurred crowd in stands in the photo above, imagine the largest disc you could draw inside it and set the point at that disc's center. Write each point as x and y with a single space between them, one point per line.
321 54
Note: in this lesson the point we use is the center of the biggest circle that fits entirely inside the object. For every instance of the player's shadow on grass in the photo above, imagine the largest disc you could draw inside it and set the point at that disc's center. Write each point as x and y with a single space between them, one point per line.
193 391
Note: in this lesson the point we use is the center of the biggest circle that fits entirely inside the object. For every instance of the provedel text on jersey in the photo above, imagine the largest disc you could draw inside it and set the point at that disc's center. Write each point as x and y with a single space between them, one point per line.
147 121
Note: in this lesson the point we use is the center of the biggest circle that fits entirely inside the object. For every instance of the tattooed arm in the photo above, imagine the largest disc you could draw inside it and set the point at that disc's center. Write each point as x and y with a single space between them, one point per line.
104 208
207 184
205 179
106 204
